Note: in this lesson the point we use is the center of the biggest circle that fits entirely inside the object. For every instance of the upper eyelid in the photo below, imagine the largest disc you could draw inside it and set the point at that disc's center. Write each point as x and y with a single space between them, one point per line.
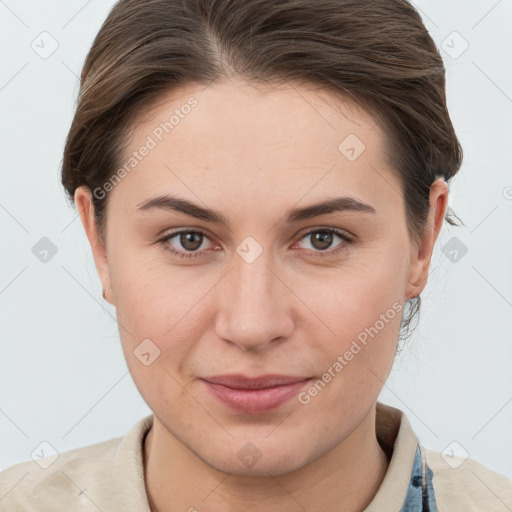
308 231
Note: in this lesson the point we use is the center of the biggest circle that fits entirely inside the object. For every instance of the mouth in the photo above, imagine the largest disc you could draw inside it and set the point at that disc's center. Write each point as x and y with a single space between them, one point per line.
254 395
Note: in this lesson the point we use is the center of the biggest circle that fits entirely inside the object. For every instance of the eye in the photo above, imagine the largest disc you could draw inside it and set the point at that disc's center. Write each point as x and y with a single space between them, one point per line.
322 239
190 241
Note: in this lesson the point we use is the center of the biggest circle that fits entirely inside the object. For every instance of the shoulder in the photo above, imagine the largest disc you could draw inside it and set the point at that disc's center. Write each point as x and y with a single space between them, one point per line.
464 484
69 479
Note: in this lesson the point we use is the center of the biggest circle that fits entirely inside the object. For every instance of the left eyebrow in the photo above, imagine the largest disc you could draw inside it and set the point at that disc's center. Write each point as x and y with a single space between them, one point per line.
166 202
337 204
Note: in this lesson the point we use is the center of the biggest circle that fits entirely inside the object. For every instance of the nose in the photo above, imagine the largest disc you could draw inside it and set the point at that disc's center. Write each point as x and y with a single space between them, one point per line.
255 306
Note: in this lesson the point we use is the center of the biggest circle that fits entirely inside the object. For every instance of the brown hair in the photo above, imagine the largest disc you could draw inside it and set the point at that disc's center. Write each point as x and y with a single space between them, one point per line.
377 52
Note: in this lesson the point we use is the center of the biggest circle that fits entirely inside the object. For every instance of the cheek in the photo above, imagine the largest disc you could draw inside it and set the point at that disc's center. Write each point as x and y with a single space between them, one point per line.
157 325
362 307
161 310
153 294
354 297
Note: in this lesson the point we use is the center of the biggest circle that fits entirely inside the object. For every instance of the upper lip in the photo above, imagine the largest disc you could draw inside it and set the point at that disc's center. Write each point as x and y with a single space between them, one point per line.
238 381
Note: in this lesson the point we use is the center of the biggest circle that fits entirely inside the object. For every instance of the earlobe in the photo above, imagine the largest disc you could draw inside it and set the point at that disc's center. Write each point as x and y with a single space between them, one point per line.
85 207
421 253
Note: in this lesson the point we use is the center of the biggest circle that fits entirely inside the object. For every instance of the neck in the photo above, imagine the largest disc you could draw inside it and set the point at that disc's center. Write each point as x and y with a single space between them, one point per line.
347 478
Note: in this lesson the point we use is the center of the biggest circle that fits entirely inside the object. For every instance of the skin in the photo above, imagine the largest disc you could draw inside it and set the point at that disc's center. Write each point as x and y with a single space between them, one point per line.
252 153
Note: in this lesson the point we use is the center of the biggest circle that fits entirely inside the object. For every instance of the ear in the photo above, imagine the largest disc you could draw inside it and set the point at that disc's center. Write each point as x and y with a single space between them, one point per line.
85 207
421 253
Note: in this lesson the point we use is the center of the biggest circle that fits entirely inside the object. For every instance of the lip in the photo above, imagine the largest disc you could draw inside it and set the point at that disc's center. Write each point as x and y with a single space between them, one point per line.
254 395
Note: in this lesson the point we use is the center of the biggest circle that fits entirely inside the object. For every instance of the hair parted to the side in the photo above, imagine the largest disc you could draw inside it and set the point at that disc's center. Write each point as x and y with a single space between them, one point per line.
376 52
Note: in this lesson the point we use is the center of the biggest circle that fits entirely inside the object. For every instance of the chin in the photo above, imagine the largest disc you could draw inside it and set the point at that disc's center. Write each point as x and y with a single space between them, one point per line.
251 461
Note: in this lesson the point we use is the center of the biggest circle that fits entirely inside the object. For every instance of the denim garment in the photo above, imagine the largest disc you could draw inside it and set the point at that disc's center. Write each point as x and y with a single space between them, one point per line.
420 494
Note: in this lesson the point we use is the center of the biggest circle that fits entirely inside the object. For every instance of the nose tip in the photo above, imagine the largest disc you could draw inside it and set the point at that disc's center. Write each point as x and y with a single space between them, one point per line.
253 308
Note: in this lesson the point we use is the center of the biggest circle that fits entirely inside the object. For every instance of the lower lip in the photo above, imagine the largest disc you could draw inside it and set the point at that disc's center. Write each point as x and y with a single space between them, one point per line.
255 401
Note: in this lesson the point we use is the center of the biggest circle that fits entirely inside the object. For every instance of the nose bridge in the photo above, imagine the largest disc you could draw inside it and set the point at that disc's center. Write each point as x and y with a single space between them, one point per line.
253 309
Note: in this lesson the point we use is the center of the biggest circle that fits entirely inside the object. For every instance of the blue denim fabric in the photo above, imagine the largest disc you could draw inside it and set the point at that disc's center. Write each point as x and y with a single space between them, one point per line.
420 494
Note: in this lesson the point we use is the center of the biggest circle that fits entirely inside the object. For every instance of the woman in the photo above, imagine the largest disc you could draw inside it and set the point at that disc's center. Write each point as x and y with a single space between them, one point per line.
262 184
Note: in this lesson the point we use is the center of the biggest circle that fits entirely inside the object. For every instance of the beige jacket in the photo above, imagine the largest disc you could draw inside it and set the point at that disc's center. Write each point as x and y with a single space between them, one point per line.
109 477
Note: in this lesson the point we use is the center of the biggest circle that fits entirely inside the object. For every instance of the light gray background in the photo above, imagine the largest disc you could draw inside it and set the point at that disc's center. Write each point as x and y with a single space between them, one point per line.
63 378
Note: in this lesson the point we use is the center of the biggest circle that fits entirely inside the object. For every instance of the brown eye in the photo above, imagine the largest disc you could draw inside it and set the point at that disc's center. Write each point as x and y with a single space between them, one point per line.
321 240
187 244
191 240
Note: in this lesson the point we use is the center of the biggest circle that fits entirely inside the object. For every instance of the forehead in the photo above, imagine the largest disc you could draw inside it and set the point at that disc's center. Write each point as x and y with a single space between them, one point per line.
245 142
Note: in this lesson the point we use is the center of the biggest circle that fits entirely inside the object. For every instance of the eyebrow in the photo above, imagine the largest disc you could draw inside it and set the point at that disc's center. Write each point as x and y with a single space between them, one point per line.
337 204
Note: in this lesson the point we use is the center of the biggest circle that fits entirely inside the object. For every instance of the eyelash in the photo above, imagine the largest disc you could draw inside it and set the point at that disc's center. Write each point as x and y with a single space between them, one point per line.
316 254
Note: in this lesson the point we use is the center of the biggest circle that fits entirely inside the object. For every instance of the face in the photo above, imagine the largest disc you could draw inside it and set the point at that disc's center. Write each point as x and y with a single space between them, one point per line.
265 285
